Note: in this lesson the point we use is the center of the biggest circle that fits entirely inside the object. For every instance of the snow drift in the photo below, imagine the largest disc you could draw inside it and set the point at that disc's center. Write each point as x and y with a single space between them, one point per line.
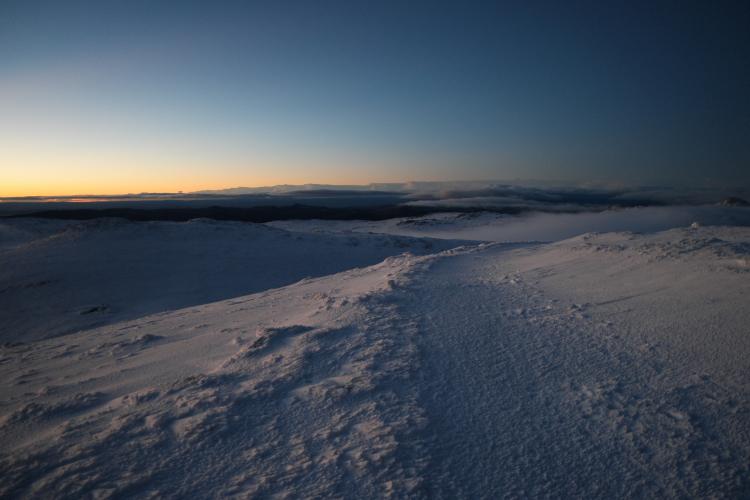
604 365
58 278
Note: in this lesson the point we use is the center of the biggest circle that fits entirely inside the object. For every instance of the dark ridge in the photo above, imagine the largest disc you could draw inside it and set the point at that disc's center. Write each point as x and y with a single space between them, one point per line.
734 201
254 214
338 192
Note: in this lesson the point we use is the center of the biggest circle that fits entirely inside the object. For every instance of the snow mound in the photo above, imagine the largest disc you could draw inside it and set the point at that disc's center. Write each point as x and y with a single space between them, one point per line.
711 246
62 277
606 365
301 390
535 226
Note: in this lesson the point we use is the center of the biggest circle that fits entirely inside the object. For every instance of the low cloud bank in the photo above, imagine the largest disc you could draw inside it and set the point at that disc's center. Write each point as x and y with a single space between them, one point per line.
569 199
465 196
537 226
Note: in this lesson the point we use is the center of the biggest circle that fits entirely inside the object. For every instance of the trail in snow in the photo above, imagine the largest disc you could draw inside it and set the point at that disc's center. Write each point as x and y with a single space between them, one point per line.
526 396
493 370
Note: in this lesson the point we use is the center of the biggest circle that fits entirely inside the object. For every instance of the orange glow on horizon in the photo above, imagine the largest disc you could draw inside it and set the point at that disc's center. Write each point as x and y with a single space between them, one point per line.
86 190
79 179
105 170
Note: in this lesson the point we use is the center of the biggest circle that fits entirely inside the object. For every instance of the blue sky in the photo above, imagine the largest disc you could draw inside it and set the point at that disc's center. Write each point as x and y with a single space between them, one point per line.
161 96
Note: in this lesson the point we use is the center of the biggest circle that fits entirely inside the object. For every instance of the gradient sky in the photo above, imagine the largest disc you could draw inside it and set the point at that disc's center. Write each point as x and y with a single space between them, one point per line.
132 96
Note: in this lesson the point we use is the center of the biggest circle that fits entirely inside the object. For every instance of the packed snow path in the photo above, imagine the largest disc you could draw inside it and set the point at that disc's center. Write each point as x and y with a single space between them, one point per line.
605 365
528 396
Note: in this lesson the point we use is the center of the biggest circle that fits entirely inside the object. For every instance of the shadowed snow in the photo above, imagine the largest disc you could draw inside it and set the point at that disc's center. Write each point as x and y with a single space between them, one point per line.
604 365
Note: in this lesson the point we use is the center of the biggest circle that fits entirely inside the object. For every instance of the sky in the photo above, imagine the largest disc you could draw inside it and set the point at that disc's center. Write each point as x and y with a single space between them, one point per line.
142 96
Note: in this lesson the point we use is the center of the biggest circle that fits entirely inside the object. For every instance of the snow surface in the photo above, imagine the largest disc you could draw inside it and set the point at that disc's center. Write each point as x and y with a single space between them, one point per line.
606 365
533 226
61 277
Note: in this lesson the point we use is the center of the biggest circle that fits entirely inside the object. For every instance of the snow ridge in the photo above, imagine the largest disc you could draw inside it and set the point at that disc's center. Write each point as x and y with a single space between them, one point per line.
607 365
319 404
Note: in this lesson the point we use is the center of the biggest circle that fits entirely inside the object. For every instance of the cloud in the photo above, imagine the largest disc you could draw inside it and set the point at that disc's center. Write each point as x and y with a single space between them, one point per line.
440 196
566 199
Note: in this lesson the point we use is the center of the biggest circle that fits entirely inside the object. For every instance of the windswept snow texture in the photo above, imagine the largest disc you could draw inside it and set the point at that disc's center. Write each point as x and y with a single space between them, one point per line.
607 365
58 278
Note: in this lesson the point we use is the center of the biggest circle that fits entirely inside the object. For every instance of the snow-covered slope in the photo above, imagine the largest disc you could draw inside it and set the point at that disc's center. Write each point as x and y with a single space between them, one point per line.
605 365
58 277
532 226
301 390
610 366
